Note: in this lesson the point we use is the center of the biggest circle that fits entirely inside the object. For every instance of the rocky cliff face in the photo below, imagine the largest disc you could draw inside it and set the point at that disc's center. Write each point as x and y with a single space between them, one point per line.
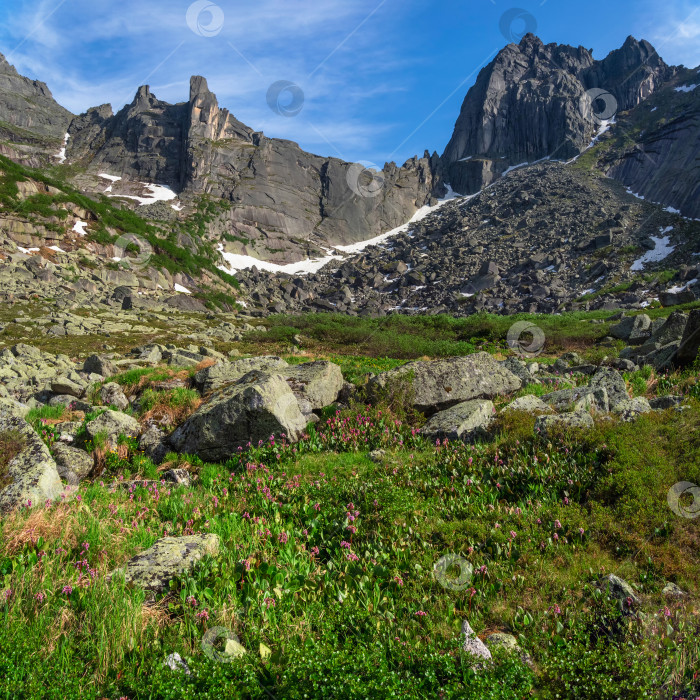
663 164
534 101
31 121
286 203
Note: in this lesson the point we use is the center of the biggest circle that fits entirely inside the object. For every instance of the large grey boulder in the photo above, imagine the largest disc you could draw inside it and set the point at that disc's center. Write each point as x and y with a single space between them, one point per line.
672 329
578 420
28 473
256 407
100 364
113 424
662 357
222 373
73 465
10 407
153 444
663 403
319 383
112 394
634 329
440 384
169 557
578 399
690 343
460 422
521 370
613 383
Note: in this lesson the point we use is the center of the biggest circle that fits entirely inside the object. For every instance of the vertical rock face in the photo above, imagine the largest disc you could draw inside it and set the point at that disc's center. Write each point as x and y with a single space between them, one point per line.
29 106
143 141
531 102
664 164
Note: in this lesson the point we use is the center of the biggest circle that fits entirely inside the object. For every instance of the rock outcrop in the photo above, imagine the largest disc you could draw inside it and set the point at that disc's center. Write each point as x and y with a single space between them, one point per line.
30 476
286 204
28 112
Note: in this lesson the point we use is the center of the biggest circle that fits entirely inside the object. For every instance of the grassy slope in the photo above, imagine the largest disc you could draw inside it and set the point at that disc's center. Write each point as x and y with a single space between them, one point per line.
514 508
111 222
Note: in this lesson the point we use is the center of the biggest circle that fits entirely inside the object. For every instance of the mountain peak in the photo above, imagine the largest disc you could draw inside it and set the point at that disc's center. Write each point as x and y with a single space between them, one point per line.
198 86
531 41
502 125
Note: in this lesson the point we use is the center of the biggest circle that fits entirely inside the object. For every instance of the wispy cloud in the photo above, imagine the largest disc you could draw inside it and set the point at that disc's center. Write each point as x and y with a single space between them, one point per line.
370 70
674 29
89 54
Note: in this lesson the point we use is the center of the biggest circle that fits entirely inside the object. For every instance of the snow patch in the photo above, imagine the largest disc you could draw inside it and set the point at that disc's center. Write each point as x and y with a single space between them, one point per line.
522 165
418 216
61 155
662 249
244 262
686 88
27 251
112 178
159 193
682 288
56 248
181 289
79 228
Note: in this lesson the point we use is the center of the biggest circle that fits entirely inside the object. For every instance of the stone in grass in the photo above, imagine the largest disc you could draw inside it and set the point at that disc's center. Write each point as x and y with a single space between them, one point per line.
377 456
611 380
528 404
461 422
671 590
27 473
153 443
112 394
256 407
473 644
70 402
632 408
440 384
501 640
663 403
100 364
578 399
169 557
579 420
619 589
113 424
73 465
175 663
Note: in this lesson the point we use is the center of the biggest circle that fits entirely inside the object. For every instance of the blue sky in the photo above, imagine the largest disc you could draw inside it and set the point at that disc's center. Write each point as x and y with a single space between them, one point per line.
381 79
